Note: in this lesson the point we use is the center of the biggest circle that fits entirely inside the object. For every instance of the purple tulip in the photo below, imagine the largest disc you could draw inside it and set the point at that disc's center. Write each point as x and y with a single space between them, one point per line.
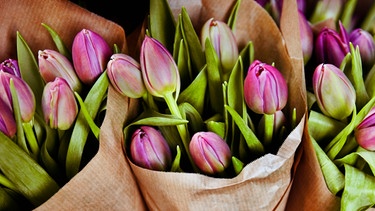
150 150
59 105
25 95
364 40
223 41
7 122
53 64
10 66
265 89
159 70
125 75
331 47
210 152
365 131
334 92
90 54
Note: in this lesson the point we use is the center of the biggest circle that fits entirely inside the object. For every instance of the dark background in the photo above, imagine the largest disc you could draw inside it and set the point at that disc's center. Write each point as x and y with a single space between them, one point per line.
129 13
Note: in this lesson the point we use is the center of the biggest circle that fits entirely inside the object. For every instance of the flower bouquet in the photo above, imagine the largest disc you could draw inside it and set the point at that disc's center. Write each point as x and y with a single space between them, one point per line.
189 147
336 170
34 173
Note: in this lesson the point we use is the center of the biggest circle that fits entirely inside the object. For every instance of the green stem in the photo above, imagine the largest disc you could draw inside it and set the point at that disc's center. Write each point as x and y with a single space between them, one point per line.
182 128
268 128
31 139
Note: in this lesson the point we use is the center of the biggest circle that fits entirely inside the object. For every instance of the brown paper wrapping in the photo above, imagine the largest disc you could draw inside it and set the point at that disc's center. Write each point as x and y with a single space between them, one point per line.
106 182
265 183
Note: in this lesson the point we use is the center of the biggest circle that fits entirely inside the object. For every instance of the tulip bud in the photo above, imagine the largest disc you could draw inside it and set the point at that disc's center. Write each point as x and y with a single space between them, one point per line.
331 47
223 41
53 64
125 75
25 95
307 37
159 70
150 150
210 152
265 89
7 122
364 40
59 104
365 131
90 54
334 92
10 66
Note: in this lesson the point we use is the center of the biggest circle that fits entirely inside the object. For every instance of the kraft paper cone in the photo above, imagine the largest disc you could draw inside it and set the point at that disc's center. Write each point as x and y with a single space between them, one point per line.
106 182
265 183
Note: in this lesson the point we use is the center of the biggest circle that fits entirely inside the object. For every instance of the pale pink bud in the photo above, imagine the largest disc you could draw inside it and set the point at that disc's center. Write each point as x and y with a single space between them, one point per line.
59 104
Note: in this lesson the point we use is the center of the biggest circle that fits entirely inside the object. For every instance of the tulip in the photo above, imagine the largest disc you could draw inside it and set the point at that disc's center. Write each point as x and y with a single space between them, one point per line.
90 54
265 89
364 40
210 152
223 41
159 70
25 95
334 92
149 149
7 122
365 131
10 66
59 104
331 47
125 75
307 37
53 64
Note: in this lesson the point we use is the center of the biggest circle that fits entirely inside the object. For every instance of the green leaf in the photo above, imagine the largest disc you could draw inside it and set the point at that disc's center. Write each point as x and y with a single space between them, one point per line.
183 65
195 93
94 128
30 71
233 15
58 42
31 180
81 128
322 127
216 127
193 43
332 175
214 79
247 55
190 113
355 75
351 159
337 143
252 141
235 96
176 162
237 165
359 190
162 24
